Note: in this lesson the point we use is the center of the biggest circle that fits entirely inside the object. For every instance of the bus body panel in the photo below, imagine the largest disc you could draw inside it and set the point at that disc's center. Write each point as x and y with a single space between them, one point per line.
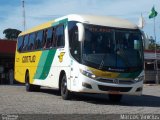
45 66
26 61
59 63
80 79
40 72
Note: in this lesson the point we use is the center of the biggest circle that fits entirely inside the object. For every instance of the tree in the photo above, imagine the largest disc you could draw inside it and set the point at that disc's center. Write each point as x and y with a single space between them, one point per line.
153 44
11 33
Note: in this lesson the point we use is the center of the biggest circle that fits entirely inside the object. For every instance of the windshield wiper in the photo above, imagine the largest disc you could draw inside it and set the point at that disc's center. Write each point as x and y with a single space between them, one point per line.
102 62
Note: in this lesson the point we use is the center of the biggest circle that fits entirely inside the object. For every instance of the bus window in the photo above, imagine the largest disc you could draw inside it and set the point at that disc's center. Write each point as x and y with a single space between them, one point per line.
44 41
39 38
74 44
20 43
31 41
25 46
49 38
53 38
60 36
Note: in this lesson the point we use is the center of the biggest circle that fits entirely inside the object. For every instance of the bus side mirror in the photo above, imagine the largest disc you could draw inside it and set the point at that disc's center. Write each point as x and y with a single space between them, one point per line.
80 32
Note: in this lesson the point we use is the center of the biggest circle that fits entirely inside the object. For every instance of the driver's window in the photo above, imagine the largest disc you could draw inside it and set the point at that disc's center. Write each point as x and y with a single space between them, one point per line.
74 44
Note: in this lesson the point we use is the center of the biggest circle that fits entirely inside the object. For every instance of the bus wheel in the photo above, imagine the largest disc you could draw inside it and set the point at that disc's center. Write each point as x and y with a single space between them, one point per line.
65 93
115 98
29 87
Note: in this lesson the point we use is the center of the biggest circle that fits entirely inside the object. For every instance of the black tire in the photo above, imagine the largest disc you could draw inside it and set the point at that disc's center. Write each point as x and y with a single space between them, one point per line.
115 98
29 87
65 93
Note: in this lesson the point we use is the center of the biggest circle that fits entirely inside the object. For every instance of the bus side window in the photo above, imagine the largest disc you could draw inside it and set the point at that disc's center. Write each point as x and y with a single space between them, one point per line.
20 43
60 36
49 38
53 38
44 42
31 41
25 46
38 41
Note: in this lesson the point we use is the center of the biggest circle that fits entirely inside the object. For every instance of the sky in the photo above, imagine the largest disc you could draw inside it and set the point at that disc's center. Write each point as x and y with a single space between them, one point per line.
39 11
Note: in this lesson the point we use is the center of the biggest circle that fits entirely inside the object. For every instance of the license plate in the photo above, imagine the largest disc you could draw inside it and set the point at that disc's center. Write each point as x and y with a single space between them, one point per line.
114 92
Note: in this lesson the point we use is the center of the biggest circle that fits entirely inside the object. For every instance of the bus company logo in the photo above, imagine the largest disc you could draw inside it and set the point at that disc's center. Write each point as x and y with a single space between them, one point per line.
61 56
26 59
116 81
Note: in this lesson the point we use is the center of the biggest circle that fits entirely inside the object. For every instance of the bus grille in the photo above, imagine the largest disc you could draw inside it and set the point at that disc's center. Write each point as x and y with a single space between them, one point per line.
119 89
119 81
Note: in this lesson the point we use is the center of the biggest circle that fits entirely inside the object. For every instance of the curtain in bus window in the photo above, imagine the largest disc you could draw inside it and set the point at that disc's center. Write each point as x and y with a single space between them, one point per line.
44 41
31 41
25 46
54 40
38 41
49 38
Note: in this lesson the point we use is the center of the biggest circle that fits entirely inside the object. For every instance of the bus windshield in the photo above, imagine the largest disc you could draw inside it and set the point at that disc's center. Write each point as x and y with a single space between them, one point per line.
112 49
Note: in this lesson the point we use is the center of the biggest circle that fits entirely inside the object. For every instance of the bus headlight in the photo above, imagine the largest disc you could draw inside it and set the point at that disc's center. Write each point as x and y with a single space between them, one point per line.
140 78
88 73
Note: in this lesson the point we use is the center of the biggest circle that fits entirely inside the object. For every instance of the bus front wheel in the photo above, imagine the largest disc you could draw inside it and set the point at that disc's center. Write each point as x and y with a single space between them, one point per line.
65 93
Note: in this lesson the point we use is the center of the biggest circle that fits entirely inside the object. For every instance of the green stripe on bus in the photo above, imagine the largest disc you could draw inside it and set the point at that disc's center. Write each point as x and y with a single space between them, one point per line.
45 64
135 74
129 75
124 75
41 64
64 21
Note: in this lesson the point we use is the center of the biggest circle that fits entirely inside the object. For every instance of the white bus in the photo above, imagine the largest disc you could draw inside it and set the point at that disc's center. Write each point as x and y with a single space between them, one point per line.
82 53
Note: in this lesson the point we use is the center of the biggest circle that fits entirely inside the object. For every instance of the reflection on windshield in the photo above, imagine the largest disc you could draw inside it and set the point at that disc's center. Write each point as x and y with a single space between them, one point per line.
104 47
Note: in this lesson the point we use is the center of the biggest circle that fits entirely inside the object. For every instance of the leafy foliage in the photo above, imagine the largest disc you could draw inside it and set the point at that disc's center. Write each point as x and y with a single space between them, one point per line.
11 33
152 45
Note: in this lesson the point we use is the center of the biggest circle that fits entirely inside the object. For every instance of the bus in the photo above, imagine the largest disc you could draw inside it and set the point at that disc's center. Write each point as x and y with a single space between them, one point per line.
82 53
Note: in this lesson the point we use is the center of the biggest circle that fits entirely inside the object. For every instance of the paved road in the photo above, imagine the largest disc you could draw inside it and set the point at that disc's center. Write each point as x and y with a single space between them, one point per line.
14 100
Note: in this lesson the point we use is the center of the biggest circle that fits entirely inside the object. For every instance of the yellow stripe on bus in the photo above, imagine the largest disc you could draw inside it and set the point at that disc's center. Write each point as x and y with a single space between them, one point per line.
37 28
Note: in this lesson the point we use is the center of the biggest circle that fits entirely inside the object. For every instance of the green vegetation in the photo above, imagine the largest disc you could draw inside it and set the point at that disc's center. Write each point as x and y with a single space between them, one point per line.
11 33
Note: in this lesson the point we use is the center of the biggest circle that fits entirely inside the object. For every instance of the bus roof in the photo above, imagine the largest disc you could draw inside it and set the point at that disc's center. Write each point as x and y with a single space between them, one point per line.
89 19
104 21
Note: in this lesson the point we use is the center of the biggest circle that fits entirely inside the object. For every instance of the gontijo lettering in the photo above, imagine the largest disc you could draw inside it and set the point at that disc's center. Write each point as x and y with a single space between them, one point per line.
26 59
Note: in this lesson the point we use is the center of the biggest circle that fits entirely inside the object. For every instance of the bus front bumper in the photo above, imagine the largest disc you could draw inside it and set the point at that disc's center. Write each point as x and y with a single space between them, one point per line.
88 85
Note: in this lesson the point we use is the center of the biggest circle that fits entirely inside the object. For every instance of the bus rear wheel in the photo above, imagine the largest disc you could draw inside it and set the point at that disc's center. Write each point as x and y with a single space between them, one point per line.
29 87
65 93
115 98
